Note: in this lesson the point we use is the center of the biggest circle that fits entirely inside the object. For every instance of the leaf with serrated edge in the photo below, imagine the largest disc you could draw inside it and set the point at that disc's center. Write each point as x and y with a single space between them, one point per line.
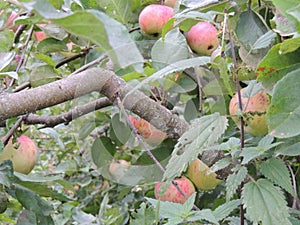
221 164
166 209
265 203
143 216
275 170
204 214
233 181
203 132
225 209
264 145
284 111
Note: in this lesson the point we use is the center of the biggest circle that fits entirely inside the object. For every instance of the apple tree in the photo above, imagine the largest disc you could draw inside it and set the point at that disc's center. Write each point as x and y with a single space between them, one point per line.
149 112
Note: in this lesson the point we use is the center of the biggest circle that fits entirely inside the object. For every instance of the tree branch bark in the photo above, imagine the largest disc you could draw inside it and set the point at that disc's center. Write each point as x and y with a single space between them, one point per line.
51 121
94 79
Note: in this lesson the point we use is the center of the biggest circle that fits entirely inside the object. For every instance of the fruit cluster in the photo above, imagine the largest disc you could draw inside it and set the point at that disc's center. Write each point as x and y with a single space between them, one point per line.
197 177
202 37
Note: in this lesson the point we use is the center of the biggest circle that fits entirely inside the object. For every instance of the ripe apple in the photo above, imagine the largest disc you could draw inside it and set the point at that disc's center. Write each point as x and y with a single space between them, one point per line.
153 18
203 38
168 192
199 173
23 154
170 3
150 134
254 112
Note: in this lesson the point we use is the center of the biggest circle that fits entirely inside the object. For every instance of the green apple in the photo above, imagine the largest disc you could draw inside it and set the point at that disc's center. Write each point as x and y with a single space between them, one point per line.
23 154
167 191
199 173
203 38
153 18
254 112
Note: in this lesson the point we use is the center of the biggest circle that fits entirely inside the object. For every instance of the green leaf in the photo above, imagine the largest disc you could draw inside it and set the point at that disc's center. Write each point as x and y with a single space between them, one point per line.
42 75
252 152
102 151
222 211
290 45
109 34
275 66
121 131
13 75
275 170
49 45
6 173
40 185
102 155
234 180
106 32
176 66
220 164
6 40
178 213
250 28
203 132
5 59
118 9
288 8
31 201
167 209
170 50
28 217
284 111
284 26
265 203
143 216
224 74
289 150
204 214
264 40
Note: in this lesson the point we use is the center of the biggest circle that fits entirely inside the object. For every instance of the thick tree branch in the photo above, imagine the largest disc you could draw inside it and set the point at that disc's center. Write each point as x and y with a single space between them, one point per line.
94 79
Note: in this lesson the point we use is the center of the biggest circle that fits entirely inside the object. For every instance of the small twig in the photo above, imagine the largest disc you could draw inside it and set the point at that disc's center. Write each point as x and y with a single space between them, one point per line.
295 197
200 86
242 139
7 136
133 29
24 49
67 117
22 87
86 66
72 58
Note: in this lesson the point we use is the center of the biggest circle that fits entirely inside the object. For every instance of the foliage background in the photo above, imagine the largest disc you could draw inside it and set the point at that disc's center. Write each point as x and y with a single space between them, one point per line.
71 183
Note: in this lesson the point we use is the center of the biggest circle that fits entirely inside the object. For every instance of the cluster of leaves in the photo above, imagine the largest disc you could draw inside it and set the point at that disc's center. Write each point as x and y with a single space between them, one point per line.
72 184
